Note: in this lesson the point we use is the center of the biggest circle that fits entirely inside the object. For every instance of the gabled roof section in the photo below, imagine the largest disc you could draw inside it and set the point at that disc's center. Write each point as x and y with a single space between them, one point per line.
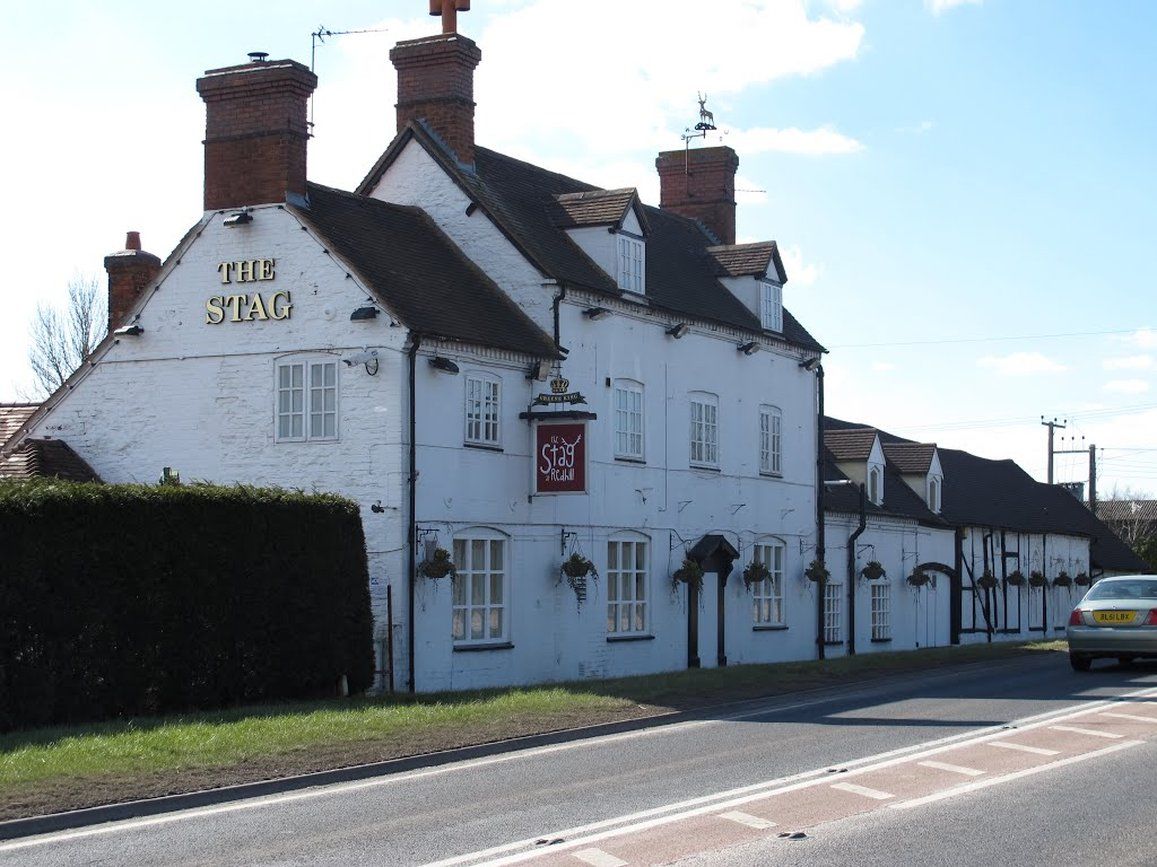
418 272
597 208
853 444
1125 511
900 501
910 458
523 201
12 416
749 260
46 459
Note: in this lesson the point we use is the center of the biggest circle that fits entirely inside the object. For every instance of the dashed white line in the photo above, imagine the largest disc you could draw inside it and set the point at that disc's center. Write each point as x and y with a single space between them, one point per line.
955 769
747 819
1036 751
599 858
875 794
1132 716
1091 732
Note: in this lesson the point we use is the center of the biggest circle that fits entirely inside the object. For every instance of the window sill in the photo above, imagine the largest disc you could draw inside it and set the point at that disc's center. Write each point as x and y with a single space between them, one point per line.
770 475
618 638
769 627
305 441
833 644
486 447
881 641
626 460
473 648
704 468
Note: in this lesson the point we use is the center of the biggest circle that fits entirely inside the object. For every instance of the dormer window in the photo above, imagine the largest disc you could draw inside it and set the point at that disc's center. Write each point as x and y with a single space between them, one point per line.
770 305
875 484
631 275
934 485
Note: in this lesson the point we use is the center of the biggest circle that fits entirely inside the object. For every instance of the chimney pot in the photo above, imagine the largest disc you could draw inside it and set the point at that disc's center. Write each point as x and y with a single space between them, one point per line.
258 56
129 272
133 241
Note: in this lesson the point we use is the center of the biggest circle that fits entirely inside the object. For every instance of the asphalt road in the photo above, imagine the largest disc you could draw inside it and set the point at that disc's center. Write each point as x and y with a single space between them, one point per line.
817 763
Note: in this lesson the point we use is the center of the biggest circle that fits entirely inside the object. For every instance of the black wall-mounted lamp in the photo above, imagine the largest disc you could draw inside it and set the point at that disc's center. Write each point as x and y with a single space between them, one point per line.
593 313
241 218
678 330
364 313
749 348
540 370
810 364
133 330
443 364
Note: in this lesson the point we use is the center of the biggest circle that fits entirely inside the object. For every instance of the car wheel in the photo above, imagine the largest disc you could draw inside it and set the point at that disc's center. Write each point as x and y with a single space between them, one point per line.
1080 663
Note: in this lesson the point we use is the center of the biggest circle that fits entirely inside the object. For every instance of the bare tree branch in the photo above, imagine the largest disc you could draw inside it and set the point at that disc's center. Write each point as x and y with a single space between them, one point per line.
62 339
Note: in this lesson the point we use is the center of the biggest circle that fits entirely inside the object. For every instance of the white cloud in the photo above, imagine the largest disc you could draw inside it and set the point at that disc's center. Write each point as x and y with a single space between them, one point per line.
1128 362
1021 364
1127 386
846 6
924 126
938 7
883 366
799 273
1142 338
812 142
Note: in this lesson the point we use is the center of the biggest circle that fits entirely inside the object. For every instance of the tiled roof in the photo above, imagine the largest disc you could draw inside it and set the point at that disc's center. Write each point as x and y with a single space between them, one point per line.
853 444
522 200
47 458
899 499
910 457
746 260
418 272
12 416
592 208
1139 511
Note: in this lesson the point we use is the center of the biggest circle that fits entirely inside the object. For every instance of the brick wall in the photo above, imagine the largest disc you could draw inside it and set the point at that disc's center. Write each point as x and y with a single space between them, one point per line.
436 84
129 272
700 184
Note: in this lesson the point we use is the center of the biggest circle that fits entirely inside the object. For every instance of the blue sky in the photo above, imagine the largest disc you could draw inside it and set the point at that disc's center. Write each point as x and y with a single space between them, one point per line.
940 175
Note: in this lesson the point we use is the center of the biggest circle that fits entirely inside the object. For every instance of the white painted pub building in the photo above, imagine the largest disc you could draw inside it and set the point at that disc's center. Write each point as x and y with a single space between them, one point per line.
510 366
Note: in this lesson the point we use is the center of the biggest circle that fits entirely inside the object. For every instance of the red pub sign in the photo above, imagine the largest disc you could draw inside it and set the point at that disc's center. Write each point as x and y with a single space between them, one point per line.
560 458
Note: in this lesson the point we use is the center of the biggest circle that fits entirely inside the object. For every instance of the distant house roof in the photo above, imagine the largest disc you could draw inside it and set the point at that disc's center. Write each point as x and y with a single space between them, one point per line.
12 416
910 457
595 208
1128 511
747 260
46 459
852 444
418 272
523 202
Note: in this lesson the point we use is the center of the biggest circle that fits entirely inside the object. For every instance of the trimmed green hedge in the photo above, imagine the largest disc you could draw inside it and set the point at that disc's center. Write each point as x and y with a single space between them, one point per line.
129 599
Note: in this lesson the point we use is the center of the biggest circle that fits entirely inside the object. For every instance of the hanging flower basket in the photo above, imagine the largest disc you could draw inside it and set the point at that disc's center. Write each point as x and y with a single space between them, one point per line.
816 571
690 573
576 569
438 566
754 572
1036 579
919 578
1082 579
873 571
987 580
1063 580
1015 578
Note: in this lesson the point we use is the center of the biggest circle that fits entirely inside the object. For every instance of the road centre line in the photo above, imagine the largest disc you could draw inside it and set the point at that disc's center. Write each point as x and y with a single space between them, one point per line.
1130 716
955 769
1092 732
747 819
1036 751
964 788
806 779
874 794
937 745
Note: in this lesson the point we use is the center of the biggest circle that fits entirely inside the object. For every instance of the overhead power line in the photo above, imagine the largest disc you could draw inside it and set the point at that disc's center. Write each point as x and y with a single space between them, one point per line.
982 339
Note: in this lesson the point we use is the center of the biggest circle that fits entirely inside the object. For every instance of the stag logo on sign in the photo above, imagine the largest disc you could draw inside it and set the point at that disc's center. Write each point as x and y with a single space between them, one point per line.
561 459
249 306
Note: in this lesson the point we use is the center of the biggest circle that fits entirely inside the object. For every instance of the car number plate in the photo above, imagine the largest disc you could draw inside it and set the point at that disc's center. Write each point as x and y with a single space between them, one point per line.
1113 616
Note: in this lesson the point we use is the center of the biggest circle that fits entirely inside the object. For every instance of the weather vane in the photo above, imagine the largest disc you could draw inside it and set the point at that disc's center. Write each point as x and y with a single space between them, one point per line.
706 121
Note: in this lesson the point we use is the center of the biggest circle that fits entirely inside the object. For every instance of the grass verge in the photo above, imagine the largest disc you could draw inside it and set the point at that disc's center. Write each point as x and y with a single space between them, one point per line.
68 767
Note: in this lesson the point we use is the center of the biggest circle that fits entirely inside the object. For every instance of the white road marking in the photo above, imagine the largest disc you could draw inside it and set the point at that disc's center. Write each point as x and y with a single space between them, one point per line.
964 788
599 858
874 794
747 819
955 769
1036 751
1132 716
1093 732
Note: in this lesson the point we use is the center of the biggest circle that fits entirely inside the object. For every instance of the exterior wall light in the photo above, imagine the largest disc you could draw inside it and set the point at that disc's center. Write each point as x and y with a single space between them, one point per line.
129 331
749 348
443 364
810 364
678 330
241 218
595 312
540 370
364 313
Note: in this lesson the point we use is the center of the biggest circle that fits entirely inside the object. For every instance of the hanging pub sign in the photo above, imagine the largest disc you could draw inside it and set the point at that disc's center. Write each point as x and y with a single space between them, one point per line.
558 393
560 458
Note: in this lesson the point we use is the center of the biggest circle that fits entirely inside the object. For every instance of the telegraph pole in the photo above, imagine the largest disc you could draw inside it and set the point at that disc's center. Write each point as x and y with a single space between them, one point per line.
1052 426
1093 479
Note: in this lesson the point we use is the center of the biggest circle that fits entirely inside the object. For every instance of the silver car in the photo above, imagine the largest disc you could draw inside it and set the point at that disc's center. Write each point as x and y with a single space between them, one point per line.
1116 619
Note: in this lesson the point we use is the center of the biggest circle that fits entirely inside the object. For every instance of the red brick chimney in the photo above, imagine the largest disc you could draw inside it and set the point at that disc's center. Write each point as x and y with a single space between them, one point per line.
700 183
436 84
255 132
129 272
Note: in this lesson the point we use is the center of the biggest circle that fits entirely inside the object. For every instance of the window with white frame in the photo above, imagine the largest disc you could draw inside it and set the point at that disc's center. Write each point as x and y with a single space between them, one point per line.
875 484
934 485
833 613
767 594
483 409
628 397
770 440
306 400
881 610
480 589
771 305
632 264
626 587
704 430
